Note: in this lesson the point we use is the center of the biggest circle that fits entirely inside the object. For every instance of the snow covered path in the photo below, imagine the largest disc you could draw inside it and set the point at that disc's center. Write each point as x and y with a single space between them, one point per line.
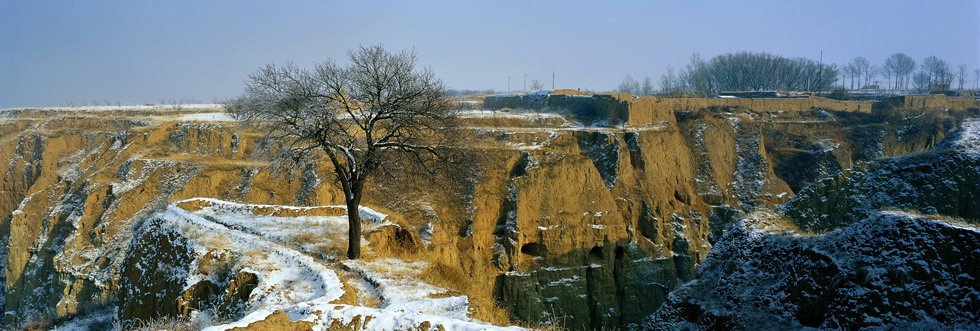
295 283
287 278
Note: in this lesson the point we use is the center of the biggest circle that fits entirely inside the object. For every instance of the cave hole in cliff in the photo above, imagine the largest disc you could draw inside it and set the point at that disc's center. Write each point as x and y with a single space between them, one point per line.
595 255
404 239
534 249
647 223
520 167
682 197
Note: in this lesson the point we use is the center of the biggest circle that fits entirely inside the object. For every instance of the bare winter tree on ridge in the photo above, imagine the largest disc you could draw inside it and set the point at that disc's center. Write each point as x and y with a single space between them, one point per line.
359 118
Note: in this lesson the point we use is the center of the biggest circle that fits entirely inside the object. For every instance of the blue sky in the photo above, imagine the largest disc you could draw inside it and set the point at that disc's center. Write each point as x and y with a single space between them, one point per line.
53 53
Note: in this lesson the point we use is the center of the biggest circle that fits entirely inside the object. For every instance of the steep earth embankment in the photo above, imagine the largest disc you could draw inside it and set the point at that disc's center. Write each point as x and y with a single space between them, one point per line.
835 260
583 226
892 270
944 181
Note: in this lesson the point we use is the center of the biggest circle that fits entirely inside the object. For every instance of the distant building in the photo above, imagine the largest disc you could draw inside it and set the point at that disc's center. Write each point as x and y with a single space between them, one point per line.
752 94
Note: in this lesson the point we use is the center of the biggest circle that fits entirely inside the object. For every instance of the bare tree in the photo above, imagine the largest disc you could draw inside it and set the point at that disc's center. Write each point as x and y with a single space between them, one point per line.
668 81
359 117
976 78
849 72
888 72
175 104
938 71
921 81
745 71
901 66
647 87
961 76
536 85
628 85
697 77
860 66
870 74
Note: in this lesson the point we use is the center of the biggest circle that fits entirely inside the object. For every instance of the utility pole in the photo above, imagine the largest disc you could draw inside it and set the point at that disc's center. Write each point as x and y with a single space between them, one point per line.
820 71
508 84
525 83
552 78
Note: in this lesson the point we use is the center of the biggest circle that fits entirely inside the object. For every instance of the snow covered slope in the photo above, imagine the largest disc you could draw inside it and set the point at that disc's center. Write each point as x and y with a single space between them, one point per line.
265 255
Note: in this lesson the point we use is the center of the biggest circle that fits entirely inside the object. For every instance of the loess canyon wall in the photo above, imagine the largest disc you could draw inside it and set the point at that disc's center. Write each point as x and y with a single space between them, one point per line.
589 227
888 244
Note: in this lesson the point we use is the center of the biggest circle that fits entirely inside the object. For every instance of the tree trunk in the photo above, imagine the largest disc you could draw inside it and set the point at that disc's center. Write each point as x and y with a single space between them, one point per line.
354 229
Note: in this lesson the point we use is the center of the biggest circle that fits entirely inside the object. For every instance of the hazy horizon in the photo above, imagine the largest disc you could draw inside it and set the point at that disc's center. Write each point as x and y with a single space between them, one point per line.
56 53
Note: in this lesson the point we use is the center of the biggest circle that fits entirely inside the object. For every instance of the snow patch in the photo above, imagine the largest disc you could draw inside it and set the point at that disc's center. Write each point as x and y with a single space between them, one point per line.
209 117
967 139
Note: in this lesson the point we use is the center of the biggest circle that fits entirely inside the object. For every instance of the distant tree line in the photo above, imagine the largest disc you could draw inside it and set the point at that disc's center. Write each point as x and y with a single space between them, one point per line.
631 86
747 71
459 93
899 71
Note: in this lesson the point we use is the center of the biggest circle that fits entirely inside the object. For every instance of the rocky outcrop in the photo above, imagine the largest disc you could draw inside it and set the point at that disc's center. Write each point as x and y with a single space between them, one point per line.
944 181
891 270
154 273
77 189
865 268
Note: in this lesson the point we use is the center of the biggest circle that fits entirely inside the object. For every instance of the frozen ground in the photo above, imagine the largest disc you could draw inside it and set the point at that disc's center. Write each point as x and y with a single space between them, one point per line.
210 117
967 138
500 114
278 243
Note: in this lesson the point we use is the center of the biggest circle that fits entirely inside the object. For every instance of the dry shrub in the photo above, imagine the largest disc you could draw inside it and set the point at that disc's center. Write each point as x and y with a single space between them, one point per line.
322 248
394 241
486 309
165 323
41 320
482 304
446 276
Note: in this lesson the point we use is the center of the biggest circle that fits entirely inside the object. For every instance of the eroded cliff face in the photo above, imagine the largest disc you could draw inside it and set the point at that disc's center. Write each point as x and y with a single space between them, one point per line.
77 189
942 181
589 227
892 270
890 243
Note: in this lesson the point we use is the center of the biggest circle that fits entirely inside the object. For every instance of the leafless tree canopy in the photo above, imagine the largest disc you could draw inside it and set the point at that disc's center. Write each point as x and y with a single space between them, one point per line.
536 85
668 81
647 87
960 76
976 78
745 71
628 85
354 116
939 72
858 70
901 66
